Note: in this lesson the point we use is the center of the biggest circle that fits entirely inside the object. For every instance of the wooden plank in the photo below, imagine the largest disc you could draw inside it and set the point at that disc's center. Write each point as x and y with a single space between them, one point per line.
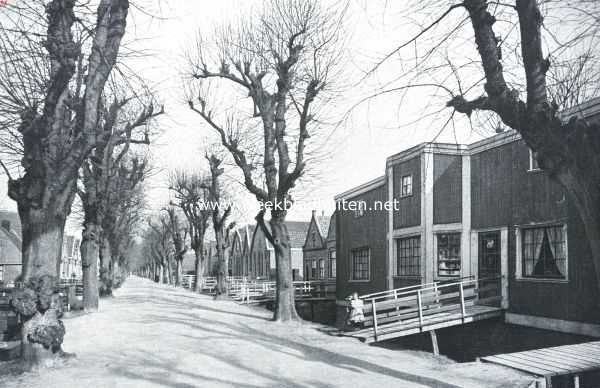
516 365
548 360
578 353
571 362
531 360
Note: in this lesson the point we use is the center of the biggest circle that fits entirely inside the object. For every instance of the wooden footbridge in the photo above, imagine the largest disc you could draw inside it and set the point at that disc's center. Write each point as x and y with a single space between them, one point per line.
427 307
253 291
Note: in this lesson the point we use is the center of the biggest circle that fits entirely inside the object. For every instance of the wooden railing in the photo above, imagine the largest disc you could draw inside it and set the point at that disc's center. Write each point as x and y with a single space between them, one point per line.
209 283
257 291
417 303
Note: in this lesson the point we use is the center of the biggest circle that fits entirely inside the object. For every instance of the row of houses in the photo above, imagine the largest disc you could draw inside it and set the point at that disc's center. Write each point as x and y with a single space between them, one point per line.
10 251
252 255
483 210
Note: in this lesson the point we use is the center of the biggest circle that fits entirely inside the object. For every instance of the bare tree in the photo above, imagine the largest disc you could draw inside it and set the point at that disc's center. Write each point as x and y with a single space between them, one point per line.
534 60
57 133
191 196
219 220
282 62
178 233
112 145
124 202
160 245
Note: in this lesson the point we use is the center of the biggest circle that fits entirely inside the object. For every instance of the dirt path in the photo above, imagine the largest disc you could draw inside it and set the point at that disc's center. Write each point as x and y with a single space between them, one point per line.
151 335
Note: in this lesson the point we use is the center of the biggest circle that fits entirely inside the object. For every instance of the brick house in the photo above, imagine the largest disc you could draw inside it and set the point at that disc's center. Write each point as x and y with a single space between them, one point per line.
482 210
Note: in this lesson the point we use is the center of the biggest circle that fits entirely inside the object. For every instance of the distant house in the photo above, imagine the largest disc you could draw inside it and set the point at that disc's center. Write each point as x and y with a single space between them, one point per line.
189 260
10 247
70 265
484 210
319 248
261 261
240 250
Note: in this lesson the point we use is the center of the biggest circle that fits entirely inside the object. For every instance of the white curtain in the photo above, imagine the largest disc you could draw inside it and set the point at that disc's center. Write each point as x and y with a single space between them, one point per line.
556 240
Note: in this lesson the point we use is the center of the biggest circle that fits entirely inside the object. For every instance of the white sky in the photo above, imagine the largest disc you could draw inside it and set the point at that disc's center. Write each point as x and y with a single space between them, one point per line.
356 150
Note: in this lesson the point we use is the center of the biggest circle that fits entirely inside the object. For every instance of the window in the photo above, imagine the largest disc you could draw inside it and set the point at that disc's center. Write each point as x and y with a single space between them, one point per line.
544 253
406 186
332 264
321 269
448 254
360 264
1 273
313 273
533 163
408 256
359 211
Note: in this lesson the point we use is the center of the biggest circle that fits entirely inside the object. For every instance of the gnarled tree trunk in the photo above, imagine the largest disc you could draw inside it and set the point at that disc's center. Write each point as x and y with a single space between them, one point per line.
90 252
199 268
284 297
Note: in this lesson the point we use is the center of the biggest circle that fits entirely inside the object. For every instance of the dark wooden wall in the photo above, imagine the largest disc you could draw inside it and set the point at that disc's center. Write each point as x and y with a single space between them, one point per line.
505 193
409 213
447 189
366 231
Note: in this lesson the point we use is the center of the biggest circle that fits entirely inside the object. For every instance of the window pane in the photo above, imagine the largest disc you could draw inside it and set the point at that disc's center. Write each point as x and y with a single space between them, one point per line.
544 252
360 264
408 256
448 254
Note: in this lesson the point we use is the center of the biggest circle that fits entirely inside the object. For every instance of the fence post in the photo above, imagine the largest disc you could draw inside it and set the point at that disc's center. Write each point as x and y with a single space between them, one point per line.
374 318
420 305
462 299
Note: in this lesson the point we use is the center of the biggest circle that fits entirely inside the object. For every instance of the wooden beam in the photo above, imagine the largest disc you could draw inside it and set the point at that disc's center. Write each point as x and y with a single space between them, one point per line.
434 342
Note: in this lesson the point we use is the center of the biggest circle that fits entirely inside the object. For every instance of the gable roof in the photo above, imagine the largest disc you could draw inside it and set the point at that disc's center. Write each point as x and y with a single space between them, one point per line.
296 229
331 231
323 224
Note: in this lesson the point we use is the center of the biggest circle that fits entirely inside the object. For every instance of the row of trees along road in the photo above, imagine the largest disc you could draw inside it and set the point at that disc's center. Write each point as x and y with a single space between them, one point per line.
184 223
282 60
59 120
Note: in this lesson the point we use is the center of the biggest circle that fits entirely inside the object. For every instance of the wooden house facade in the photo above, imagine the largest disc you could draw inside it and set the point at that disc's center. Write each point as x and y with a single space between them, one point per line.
318 251
482 210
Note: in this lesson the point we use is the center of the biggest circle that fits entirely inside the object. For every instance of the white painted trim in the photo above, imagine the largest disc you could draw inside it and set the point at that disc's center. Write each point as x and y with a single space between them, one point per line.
405 232
391 250
506 137
504 268
519 254
454 227
438 148
361 189
560 325
428 260
465 268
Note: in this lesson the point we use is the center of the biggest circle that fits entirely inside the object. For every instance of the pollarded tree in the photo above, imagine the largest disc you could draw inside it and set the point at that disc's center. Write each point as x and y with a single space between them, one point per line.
160 244
112 145
123 210
178 233
191 196
519 44
219 221
281 60
57 133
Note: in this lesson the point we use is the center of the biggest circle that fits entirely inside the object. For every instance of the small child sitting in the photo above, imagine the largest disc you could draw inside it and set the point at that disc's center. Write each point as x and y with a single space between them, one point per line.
356 317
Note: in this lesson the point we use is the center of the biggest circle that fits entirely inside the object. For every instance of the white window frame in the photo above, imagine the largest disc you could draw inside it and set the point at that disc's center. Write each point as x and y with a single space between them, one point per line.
409 191
435 251
332 260
352 280
519 257
532 161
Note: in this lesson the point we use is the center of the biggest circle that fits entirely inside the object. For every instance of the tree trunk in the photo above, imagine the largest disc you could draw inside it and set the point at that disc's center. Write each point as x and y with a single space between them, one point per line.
42 232
199 269
221 289
285 307
90 252
161 273
179 272
105 262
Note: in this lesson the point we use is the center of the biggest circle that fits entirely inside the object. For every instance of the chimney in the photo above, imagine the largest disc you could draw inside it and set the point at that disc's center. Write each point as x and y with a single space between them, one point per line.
6 225
314 213
322 213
